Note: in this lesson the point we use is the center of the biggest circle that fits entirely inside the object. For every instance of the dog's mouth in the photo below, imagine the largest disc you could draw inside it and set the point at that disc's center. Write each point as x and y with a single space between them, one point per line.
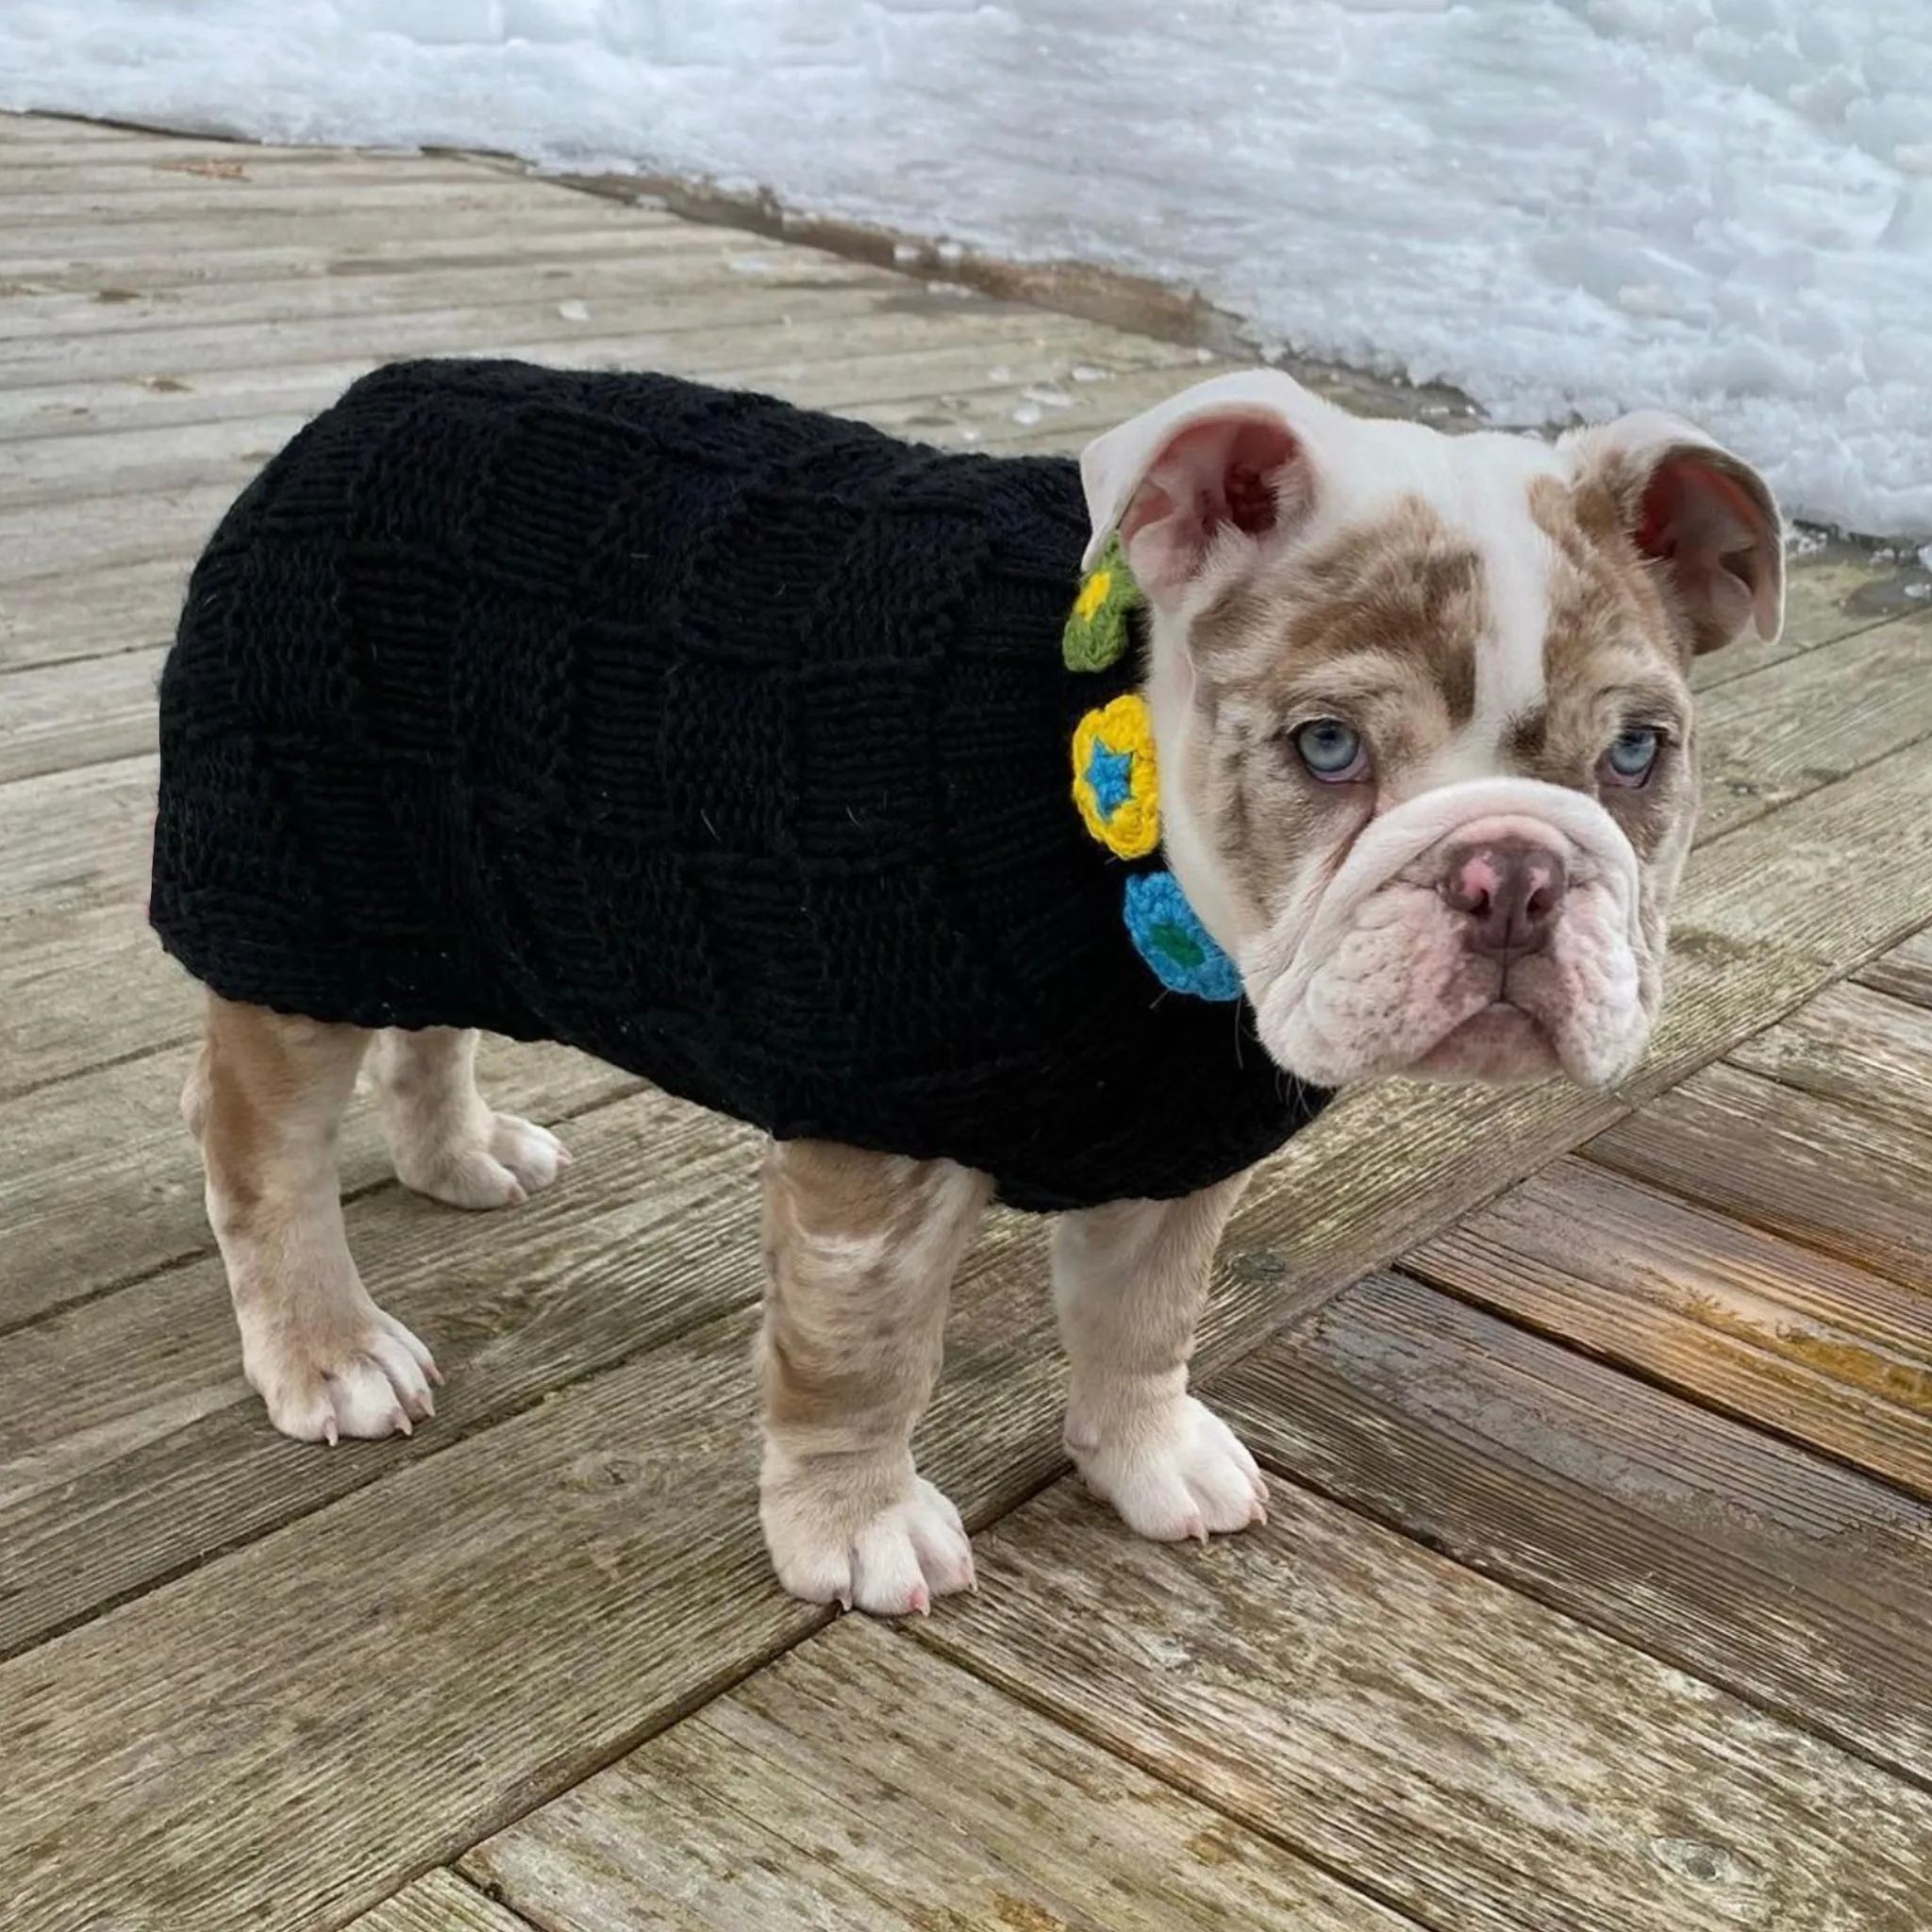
1499 1045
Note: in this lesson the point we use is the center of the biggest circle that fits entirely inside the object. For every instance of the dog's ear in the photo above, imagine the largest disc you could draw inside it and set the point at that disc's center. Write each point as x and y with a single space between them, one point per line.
1209 477
1705 519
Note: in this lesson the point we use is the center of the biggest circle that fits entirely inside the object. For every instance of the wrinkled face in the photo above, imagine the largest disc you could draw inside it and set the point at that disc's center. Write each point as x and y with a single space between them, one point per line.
1425 733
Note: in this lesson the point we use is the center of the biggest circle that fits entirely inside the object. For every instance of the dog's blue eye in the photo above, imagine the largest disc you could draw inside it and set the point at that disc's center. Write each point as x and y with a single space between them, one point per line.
1330 749
1632 754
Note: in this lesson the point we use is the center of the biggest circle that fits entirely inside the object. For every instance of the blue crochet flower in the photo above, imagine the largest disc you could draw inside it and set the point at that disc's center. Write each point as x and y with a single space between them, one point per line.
1172 940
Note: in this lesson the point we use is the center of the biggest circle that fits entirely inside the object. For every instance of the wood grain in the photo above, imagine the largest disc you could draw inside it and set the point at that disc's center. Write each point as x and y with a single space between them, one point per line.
66 716
1905 972
1835 593
1771 738
129 1414
439 1902
48 619
862 1782
100 1182
53 1022
1469 1755
400 1672
1851 1044
1712 1546
1825 1175
463 1638
1815 1348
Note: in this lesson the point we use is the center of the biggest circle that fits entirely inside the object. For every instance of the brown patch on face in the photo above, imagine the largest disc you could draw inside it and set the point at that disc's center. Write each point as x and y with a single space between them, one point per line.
1613 661
1405 589
1379 628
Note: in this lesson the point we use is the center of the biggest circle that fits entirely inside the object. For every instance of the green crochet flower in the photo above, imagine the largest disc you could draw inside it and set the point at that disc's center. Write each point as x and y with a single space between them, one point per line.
1096 631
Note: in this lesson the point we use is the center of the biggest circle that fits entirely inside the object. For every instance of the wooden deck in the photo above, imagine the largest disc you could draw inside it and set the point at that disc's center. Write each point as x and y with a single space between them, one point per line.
1595 1593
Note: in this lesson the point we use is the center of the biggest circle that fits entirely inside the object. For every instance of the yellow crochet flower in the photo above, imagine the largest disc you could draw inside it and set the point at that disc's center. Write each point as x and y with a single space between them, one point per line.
1115 783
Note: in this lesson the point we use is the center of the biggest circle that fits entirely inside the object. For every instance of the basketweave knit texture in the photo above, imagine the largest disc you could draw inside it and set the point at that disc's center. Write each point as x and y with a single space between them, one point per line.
724 740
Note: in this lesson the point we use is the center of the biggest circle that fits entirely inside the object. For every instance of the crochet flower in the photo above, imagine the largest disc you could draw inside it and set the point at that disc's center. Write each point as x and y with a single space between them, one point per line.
1096 632
1114 780
1172 940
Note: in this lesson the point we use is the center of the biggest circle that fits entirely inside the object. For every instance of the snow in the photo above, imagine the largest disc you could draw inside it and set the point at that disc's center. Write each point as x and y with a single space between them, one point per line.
1720 207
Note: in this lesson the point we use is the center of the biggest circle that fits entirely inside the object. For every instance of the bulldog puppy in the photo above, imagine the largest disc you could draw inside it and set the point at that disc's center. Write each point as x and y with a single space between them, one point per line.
1427 771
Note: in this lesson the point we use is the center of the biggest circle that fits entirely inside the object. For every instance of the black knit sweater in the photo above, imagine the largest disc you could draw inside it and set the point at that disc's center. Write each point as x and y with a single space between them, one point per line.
726 741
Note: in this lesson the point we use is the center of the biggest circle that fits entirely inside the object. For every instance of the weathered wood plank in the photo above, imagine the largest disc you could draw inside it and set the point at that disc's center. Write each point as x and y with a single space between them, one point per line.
1463 1752
440 1902
55 719
50 619
54 1021
1773 737
245 202
461 1640
930 383
1858 1046
1709 1545
1826 1175
78 839
82 1150
53 422
128 1413
1906 973
95 257
401 1672
545 234
862 1781
1810 1346
200 174
456 325
1829 595
612 284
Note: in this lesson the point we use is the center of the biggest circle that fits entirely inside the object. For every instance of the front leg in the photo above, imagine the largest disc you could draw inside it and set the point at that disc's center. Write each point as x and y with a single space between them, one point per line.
860 1253
1130 1280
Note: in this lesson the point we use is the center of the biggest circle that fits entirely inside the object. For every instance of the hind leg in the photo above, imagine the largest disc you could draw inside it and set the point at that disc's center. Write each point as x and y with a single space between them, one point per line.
447 1142
265 1100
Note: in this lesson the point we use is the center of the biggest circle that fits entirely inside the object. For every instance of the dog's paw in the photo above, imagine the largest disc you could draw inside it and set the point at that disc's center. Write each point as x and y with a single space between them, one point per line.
500 1166
889 1560
361 1373
1178 1473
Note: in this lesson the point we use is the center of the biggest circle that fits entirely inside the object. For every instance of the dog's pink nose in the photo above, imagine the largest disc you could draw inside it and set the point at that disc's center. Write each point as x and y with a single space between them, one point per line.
1509 892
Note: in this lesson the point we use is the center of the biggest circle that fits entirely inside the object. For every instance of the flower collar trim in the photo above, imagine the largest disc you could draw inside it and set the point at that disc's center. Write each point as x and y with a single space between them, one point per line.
1117 791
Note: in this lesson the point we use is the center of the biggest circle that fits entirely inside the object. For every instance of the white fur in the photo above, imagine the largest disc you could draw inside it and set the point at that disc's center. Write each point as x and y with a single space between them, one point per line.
1183 1474
891 1561
1369 974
